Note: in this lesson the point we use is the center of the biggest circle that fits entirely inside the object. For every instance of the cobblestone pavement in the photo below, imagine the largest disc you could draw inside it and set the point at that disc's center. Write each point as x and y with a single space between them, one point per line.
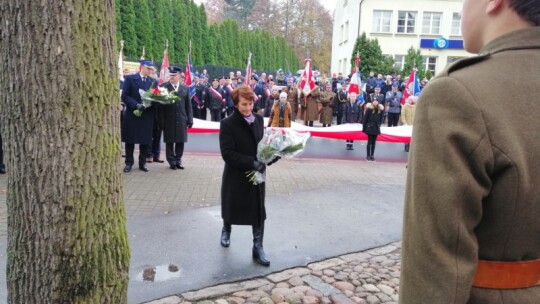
369 277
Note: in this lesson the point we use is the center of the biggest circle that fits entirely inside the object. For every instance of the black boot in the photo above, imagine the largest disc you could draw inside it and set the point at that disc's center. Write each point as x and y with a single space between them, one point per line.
226 235
258 252
2 169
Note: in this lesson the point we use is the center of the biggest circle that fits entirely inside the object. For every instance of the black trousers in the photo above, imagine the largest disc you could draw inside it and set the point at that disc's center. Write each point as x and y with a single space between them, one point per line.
143 150
393 119
372 139
156 141
174 152
215 115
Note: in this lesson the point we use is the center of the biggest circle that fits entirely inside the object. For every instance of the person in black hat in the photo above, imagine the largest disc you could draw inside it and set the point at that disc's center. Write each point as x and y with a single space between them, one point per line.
137 129
174 119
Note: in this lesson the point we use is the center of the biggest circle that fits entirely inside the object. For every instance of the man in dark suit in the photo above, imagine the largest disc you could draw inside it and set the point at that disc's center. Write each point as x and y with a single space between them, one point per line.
175 119
135 129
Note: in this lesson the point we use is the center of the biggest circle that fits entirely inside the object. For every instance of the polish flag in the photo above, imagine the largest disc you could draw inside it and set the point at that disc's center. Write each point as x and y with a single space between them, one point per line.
412 88
354 86
307 84
164 71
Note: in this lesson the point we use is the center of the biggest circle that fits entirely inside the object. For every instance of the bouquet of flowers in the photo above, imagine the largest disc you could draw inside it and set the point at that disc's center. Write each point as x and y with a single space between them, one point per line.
277 142
156 94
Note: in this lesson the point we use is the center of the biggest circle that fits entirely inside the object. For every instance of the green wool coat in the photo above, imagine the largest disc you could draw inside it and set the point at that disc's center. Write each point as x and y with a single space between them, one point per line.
473 183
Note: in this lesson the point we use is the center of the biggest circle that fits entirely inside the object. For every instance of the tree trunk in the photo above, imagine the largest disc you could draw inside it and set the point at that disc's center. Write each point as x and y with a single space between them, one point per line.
59 103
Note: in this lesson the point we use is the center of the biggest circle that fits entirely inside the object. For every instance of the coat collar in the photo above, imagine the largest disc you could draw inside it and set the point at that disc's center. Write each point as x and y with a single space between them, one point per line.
528 38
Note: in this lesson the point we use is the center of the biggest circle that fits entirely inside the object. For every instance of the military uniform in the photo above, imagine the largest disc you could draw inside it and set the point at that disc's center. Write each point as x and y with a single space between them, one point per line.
327 111
292 98
339 104
473 187
310 111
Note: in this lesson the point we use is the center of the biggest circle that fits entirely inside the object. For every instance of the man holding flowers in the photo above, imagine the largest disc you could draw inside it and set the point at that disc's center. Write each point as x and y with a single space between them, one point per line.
137 129
175 118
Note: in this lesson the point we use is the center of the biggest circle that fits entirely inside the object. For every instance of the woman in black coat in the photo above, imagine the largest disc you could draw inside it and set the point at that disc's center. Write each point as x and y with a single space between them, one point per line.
242 203
371 125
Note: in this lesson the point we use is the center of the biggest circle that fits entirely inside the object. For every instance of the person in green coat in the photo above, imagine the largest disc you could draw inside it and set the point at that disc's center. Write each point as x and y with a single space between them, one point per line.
471 229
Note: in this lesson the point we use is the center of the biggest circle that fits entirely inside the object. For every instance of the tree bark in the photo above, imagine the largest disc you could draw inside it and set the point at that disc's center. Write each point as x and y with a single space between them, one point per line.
59 103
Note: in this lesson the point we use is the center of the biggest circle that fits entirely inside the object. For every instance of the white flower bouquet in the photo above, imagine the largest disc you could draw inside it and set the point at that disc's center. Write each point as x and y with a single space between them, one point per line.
277 142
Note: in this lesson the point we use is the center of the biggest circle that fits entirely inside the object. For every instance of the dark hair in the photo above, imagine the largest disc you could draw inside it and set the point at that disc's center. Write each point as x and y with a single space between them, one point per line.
527 9
242 91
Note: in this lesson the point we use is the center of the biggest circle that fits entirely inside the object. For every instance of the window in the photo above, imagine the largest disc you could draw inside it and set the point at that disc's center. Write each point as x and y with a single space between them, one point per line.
381 21
399 62
430 63
431 24
456 24
406 22
342 35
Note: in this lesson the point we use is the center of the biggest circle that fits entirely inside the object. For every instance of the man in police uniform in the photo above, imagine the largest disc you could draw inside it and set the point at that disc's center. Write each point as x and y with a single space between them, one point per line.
472 205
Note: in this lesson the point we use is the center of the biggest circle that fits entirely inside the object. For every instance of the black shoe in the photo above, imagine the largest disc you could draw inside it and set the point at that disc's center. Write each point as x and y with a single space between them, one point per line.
157 160
179 165
173 167
368 158
260 257
143 168
127 168
225 237
372 158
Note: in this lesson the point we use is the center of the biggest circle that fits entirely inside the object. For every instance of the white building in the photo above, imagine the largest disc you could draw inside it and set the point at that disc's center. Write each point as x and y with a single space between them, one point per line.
433 26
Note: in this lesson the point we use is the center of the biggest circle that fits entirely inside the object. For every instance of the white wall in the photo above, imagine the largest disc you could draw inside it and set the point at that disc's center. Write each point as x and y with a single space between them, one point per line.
392 43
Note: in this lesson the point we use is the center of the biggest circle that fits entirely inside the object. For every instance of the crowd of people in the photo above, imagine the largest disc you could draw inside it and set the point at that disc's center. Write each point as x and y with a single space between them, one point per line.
283 102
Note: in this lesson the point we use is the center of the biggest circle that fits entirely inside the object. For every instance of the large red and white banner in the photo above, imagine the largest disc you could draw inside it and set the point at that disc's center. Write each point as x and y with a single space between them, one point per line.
401 134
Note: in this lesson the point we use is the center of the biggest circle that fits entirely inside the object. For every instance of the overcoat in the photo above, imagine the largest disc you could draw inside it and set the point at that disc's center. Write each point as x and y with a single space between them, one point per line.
242 203
174 118
473 182
310 109
137 130
327 110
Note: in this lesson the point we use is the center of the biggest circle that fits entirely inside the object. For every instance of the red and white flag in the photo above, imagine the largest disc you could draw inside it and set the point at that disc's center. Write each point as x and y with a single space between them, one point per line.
164 71
354 86
412 88
307 84
187 78
248 71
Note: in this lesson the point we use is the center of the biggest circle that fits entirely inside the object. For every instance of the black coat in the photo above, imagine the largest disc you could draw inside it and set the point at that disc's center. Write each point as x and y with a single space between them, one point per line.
174 118
371 124
242 203
137 130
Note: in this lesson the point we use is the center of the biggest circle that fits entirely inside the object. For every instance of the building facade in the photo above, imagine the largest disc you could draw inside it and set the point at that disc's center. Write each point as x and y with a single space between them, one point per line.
433 26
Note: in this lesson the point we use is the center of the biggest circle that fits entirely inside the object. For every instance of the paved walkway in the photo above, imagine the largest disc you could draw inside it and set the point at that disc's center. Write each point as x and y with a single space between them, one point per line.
370 277
365 277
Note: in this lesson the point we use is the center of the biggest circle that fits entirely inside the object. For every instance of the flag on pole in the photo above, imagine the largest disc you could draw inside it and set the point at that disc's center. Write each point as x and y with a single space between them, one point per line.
248 71
412 88
354 86
307 84
141 59
163 72
121 62
187 78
